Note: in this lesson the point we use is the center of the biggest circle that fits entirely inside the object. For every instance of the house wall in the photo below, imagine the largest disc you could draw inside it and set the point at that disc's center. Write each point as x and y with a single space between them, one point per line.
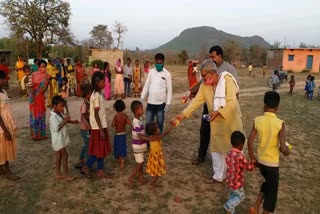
274 58
299 62
110 56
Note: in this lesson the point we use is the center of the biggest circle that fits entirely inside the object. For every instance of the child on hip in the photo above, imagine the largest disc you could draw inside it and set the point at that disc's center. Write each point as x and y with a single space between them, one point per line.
119 122
59 137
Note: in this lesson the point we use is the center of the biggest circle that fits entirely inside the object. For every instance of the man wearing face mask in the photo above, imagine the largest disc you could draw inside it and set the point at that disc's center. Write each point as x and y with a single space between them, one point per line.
216 54
219 91
158 89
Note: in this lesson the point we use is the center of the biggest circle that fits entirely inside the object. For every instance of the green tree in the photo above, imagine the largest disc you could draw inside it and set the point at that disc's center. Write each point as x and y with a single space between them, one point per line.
302 45
119 29
232 50
183 56
44 21
101 37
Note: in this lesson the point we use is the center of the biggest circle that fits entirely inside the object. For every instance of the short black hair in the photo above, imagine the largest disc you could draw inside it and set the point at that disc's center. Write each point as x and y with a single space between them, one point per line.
271 99
134 105
151 128
119 105
275 72
26 67
217 49
56 100
43 61
65 79
96 77
312 78
86 90
35 60
159 56
50 60
237 138
3 75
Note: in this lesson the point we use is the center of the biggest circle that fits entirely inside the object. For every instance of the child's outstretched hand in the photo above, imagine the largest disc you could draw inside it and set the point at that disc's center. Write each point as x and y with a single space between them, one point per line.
102 134
67 118
75 122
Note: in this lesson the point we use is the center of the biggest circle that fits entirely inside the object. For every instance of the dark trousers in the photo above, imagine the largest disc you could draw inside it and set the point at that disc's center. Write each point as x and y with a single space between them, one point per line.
93 159
127 82
156 111
204 135
270 187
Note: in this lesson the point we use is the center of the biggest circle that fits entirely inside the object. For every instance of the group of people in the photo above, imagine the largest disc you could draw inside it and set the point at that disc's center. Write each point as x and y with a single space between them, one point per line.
222 128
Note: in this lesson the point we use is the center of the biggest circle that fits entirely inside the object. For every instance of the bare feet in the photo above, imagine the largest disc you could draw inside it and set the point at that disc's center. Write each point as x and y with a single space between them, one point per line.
59 177
253 211
130 182
12 177
143 181
121 163
68 178
101 174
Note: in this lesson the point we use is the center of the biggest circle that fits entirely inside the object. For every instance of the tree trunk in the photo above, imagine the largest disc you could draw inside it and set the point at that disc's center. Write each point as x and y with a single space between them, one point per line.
39 48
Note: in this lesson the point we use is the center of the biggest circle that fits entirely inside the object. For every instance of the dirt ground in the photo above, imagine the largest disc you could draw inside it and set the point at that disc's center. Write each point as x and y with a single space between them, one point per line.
38 192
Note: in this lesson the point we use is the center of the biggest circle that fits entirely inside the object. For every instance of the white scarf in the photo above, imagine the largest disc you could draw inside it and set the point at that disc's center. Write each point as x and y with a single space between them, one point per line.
219 99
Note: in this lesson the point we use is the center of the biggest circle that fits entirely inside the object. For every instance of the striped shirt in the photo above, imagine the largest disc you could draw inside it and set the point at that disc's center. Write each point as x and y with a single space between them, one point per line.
137 128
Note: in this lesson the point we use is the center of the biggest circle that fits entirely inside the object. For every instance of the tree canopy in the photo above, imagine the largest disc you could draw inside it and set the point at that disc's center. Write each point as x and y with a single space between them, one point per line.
119 29
43 21
101 37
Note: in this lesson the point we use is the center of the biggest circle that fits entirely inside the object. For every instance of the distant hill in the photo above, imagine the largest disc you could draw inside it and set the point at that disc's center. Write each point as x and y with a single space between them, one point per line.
193 39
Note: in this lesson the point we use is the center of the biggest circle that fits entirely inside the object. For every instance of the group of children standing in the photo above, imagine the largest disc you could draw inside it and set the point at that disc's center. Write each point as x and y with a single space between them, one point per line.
95 135
94 132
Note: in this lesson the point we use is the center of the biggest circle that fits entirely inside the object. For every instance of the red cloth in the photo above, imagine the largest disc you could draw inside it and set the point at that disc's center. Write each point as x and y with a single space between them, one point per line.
192 77
99 147
5 68
236 163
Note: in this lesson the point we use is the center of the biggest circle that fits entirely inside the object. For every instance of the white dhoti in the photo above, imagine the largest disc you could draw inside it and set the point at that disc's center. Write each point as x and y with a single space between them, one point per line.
219 166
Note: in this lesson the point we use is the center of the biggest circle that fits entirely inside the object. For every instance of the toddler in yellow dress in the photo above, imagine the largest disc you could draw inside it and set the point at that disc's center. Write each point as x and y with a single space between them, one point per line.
155 166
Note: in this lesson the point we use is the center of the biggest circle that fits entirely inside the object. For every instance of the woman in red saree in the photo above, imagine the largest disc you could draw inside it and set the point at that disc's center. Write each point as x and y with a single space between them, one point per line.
192 75
40 80
79 76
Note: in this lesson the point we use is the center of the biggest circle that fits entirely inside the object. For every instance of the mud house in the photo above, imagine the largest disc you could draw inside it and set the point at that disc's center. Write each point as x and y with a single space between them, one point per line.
295 59
106 55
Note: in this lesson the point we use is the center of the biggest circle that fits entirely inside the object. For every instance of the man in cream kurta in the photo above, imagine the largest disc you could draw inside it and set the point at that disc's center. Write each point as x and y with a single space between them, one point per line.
228 120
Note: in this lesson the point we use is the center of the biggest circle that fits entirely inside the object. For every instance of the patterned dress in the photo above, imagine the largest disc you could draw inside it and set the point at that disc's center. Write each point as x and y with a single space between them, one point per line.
8 149
156 165
37 106
53 84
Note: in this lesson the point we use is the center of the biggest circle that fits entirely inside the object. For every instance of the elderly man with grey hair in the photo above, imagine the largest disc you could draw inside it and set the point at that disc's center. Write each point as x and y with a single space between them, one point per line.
219 91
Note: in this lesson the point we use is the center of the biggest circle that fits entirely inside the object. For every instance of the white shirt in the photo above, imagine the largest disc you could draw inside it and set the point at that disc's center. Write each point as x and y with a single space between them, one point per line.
97 102
127 70
158 87
60 139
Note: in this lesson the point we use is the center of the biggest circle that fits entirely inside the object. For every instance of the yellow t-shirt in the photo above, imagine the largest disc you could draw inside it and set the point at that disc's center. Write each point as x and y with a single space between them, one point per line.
250 68
268 127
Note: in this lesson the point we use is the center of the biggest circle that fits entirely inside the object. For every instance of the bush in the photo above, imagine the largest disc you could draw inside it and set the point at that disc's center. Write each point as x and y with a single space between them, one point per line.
98 62
305 71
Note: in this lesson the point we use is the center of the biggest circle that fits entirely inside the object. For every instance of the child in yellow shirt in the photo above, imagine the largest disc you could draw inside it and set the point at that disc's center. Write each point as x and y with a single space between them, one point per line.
270 131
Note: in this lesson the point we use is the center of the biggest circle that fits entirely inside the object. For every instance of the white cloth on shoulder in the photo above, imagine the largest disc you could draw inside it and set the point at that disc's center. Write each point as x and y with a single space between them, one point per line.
219 99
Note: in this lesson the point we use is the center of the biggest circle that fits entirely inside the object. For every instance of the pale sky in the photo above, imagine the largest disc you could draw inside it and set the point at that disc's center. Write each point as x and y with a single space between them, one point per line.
152 23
